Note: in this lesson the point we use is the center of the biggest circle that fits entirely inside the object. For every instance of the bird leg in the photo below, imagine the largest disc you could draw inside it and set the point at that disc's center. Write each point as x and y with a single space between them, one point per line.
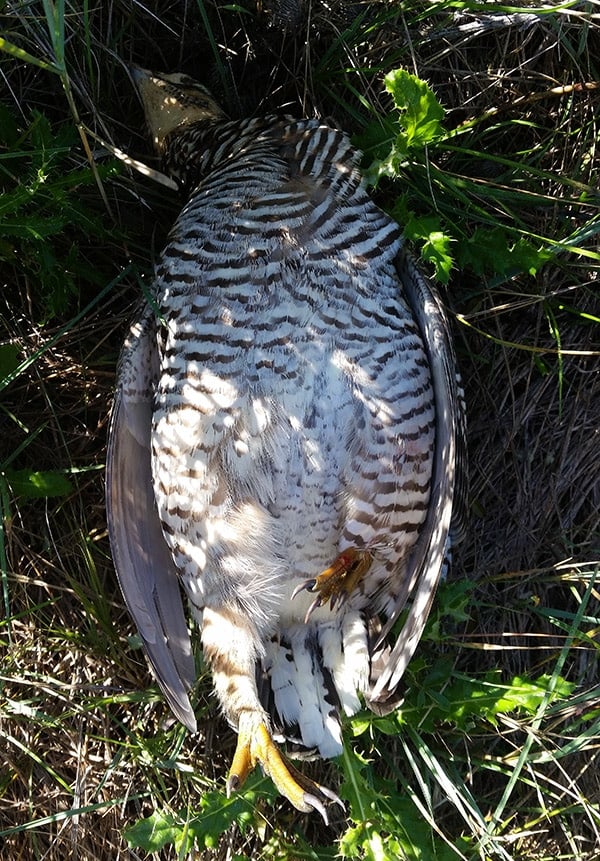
336 583
229 641
255 745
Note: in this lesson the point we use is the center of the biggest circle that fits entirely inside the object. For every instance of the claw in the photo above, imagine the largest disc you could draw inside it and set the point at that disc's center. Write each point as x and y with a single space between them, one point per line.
337 582
308 585
255 745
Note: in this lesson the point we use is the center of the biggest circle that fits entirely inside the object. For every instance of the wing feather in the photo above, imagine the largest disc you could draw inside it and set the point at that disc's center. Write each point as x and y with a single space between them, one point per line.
427 560
144 565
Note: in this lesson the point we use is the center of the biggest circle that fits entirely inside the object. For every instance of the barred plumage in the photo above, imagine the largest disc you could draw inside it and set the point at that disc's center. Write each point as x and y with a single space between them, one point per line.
285 426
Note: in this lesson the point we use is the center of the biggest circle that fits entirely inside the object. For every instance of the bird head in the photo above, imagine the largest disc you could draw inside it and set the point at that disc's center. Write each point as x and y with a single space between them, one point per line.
171 101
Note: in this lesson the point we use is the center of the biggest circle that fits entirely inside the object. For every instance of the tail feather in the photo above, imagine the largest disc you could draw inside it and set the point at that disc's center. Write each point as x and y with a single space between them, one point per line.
305 703
346 655
310 674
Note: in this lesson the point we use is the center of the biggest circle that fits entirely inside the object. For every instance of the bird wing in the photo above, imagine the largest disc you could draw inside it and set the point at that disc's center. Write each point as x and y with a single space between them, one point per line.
445 513
144 565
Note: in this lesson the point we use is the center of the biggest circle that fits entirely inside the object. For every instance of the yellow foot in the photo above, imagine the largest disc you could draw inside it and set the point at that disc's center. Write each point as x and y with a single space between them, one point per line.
255 745
337 582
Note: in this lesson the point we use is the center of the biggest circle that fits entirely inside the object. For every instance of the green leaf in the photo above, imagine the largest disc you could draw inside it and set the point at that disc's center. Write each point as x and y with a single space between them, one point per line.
386 825
436 250
357 788
493 250
486 251
9 360
44 217
185 830
420 112
527 258
444 696
155 832
428 232
365 841
377 138
38 485
397 141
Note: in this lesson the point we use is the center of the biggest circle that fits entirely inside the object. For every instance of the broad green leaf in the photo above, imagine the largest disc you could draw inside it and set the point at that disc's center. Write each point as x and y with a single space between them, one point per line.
420 112
386 825
427 231
9 359
494 250
32 484
527 258
465 699
436 250
154 832
204 829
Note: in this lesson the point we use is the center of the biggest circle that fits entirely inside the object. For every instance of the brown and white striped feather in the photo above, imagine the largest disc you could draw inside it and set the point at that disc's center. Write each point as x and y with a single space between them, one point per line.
295 415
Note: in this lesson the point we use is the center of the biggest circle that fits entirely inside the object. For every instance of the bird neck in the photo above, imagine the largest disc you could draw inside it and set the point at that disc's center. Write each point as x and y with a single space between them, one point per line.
191 152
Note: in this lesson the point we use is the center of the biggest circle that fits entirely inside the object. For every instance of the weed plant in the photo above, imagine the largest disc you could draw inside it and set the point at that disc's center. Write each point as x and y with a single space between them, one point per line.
479 127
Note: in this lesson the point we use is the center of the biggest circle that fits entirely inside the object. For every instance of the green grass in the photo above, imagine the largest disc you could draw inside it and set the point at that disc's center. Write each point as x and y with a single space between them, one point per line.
483 143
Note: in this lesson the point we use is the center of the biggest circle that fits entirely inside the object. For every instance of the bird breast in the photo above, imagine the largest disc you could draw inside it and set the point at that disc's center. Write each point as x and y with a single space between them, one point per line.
291 374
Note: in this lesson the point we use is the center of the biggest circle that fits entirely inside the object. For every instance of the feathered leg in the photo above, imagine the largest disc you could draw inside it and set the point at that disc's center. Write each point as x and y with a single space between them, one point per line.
229 644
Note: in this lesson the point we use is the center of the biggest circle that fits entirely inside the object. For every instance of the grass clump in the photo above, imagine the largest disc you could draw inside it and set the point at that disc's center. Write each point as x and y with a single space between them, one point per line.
44 220
478 124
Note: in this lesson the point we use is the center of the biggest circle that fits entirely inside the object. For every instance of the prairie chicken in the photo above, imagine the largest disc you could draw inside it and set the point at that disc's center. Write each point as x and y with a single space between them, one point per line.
285 436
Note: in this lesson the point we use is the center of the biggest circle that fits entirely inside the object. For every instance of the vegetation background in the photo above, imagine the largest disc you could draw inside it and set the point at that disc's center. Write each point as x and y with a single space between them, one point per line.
492 169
